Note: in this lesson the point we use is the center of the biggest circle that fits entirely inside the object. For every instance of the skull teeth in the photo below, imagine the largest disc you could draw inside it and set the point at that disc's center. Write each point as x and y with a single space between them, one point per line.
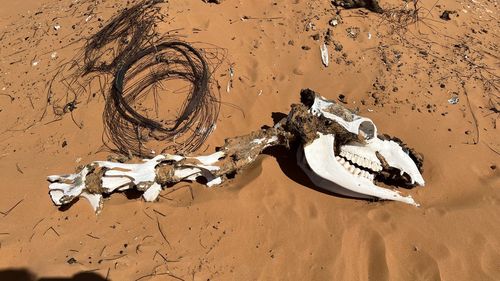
355 170
359 160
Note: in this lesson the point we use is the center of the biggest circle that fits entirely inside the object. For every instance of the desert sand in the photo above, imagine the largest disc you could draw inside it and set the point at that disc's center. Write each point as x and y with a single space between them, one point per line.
270 222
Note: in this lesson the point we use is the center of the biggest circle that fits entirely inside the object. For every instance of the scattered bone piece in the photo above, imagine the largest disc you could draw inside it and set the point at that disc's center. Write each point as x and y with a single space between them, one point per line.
324 54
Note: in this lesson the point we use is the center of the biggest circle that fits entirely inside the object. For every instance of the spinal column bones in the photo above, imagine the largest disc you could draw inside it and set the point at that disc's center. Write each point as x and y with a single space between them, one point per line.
339 151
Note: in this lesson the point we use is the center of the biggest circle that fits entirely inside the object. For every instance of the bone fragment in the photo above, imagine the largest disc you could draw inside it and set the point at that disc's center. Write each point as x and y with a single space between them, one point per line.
324 54
151 174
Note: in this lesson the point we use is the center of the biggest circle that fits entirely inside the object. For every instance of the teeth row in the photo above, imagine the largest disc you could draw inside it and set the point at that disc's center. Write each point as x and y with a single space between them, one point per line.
354 170
374 166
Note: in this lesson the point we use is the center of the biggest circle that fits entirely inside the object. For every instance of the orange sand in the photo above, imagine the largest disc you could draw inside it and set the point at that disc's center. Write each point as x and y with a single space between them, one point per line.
268 223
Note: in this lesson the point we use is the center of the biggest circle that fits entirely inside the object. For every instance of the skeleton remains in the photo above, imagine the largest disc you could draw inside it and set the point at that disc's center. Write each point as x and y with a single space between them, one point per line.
339 151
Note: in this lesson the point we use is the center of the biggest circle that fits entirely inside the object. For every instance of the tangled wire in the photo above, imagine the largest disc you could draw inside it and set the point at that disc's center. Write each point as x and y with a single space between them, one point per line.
146 72
129 52
124 35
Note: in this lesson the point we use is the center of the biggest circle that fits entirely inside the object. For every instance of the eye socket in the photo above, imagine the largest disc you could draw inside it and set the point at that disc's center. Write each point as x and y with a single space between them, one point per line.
367 130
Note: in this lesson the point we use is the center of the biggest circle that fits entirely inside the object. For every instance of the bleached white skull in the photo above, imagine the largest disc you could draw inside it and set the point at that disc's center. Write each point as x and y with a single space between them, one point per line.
351 169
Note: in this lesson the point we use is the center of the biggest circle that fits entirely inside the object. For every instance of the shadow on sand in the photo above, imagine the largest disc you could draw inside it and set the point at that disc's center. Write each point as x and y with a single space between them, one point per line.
26 275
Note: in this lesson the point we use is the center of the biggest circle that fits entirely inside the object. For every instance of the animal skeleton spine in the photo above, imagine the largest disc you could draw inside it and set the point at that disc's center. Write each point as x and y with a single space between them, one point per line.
340 152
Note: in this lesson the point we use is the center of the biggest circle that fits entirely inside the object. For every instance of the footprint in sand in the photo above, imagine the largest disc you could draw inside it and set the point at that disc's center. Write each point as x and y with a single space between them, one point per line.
423 267
377 261
362 256
253 70
312 211
379 216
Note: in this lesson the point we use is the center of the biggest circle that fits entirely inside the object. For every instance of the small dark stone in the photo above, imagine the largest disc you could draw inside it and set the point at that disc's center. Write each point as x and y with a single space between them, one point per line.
64 143
338 46
446 15
371 5
493 167
353 32
315 37
71 261
342 98
306 48
328 36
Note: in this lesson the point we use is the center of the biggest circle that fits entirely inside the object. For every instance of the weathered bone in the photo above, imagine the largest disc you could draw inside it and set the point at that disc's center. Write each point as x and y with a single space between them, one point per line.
324 129
104 177
322 164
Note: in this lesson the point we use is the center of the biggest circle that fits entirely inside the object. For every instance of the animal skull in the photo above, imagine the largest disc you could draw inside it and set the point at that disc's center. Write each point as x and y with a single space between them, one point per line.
351 170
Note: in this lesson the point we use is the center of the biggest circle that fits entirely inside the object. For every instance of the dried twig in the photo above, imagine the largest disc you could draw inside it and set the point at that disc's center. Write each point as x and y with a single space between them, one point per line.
52 228
102 251
161 232
12 208
159 274
498 153
144 211
92 236
36 224
19 168
7 95
107 274
158 253
159 213
113 258
476 141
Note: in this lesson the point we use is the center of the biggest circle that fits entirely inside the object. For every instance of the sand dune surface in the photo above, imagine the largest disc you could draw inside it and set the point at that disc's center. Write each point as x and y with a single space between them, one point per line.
269 222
